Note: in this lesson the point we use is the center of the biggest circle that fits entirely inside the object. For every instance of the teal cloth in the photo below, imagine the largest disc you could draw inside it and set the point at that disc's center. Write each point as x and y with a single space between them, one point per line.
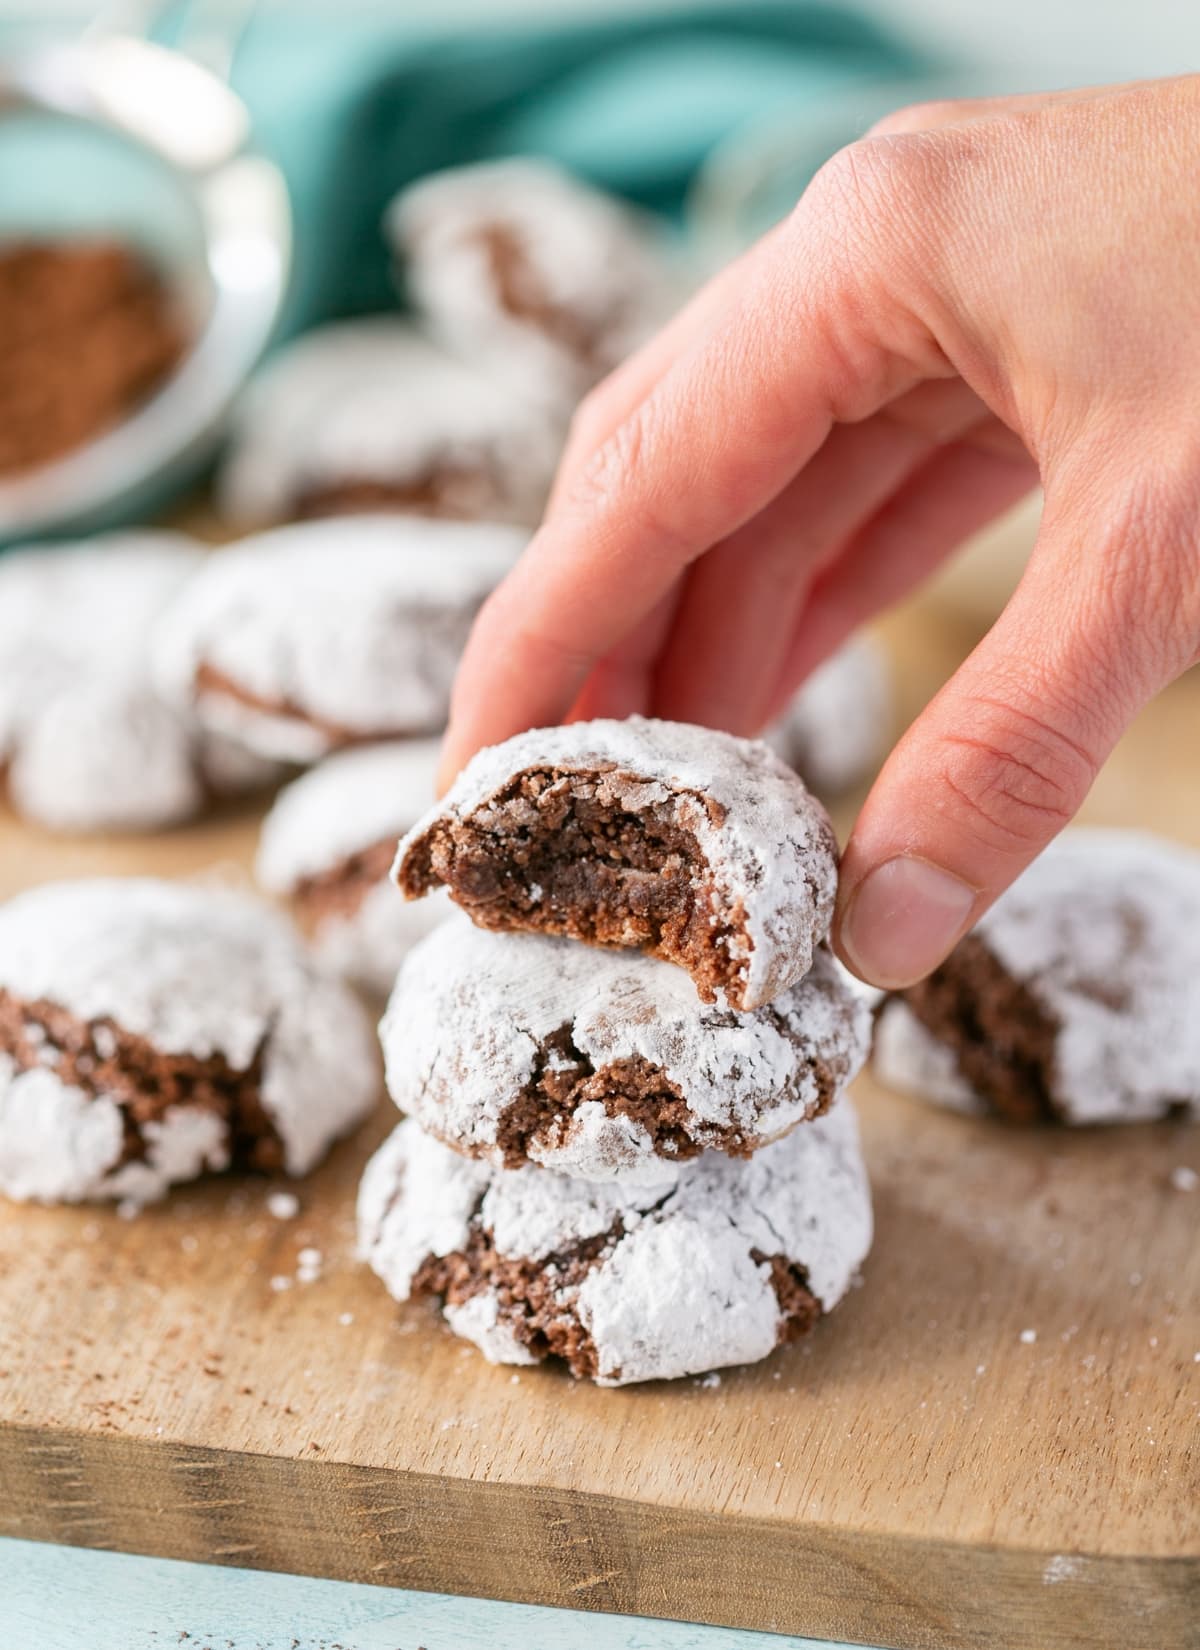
354 104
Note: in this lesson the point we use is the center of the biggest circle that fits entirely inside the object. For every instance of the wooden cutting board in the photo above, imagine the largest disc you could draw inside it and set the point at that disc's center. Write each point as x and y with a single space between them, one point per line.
993 1443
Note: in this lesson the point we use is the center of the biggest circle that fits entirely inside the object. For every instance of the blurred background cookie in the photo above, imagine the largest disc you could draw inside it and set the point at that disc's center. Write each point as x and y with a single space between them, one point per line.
839 724
327 846
368 415
328 633
519 267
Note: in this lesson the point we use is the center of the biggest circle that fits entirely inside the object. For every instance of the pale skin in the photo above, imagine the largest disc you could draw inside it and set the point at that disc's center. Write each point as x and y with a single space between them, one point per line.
974 297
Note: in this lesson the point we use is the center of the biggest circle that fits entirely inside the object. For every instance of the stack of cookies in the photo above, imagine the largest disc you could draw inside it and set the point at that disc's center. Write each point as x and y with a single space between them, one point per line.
622 1146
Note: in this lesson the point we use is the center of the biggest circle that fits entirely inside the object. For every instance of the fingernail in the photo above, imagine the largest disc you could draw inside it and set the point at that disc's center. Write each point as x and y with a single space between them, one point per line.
904 918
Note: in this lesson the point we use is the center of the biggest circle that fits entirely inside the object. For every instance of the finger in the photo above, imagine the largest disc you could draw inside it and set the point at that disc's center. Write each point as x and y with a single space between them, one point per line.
774 372
741 601
956 493
939 112
606 406
1003 757
622 683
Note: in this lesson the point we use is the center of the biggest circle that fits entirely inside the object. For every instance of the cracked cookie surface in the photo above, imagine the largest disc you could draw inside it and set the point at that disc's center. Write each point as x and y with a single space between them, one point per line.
1073 1001
150 1031
519 1048
626 1283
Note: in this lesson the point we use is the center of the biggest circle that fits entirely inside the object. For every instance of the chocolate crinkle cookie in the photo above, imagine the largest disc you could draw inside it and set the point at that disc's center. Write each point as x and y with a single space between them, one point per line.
522 1049
532 274
333 632
836 728
700 848
366 415
88 742
715 1266
151 1031
1075 1000
327 846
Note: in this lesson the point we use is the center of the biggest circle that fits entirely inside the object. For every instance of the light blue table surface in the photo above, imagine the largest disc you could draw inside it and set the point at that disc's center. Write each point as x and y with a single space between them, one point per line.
67 1598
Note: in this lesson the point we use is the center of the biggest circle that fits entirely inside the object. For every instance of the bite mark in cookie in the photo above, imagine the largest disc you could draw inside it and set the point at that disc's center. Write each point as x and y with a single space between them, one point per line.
561 852
694 846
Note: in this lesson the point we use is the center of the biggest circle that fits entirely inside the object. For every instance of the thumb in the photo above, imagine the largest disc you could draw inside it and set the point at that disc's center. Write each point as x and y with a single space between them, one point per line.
1005 754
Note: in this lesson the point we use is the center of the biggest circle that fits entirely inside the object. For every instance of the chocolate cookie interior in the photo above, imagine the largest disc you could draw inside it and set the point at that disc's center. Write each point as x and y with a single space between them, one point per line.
521 293
88 330
574 853
536 1300
104 1061
1001 1037
340 890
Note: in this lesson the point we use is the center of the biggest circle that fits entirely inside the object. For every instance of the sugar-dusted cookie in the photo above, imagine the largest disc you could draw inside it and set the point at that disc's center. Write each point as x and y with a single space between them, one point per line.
836 728
327 846
519 1048
150 1031
334 632
88 742
700 848
1075 1000
368 415
531 273
625 1282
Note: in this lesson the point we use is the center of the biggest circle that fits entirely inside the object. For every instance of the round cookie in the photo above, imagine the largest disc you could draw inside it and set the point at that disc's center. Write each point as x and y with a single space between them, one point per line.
327 845
151 1031
625 1282
519 1049
89 743
520 268
700 848
1075 998
367 415
332 632
836 728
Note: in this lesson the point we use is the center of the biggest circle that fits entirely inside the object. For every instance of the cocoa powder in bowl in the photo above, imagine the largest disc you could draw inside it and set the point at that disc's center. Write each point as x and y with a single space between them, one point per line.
88 330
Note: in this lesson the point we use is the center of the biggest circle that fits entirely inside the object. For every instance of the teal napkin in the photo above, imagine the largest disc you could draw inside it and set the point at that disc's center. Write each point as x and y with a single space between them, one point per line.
355 104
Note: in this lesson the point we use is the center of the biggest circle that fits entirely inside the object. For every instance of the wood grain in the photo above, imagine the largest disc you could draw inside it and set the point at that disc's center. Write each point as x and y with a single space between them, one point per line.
917 1474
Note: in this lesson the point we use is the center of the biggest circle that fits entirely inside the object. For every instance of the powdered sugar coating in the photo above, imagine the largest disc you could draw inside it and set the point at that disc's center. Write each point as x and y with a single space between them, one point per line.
677 1290
347 628
107 754
195 970
907 1057
589 276
1104 931
89 742
836 727
772 849
468 1026
72 611
370 400
347 804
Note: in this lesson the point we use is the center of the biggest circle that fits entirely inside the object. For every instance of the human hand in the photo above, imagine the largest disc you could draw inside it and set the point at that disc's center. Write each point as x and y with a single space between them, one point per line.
973 296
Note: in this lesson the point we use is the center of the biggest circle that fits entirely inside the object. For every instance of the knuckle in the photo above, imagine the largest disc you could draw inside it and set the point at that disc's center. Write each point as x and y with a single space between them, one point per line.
919 117
1018 779
617 481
